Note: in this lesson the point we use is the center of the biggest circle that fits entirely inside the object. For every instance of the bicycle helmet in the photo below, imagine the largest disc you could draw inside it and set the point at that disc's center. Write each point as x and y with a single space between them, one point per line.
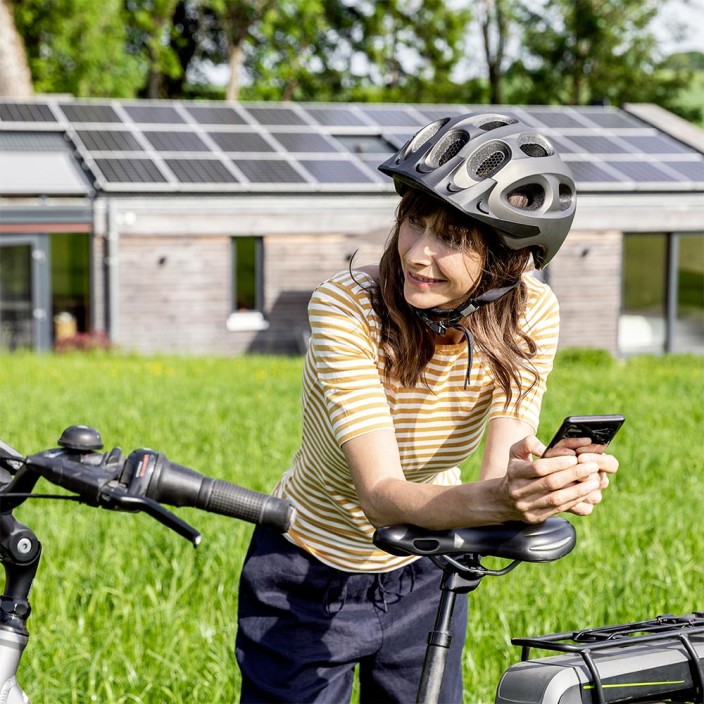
476 162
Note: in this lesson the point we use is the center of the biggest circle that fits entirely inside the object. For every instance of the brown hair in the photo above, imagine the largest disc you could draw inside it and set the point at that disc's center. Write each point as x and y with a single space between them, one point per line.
409 343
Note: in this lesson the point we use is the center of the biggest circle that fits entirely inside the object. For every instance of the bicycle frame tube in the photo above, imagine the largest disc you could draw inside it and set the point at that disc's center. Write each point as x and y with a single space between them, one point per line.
11 647
19 554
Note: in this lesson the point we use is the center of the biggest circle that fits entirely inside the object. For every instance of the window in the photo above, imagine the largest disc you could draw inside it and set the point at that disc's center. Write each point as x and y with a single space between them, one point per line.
247 286
663 294
688 324
70 279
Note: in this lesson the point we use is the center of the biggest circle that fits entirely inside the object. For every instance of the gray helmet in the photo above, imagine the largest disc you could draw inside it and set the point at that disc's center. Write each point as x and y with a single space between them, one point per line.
476 162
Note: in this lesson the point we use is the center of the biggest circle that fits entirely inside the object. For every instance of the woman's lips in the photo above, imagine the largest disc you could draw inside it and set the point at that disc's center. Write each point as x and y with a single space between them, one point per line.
422 281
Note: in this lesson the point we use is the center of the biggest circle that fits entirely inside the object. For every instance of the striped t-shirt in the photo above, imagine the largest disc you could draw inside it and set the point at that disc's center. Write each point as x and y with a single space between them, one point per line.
347 393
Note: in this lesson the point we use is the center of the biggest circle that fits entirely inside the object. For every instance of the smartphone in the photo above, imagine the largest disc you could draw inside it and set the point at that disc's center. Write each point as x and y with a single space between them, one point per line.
600 429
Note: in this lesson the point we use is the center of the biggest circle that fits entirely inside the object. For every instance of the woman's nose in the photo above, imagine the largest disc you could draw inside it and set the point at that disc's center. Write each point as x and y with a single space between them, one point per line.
423 247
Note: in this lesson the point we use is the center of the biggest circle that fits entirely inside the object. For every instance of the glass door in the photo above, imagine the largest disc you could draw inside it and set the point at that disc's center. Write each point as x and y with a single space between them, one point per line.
24 293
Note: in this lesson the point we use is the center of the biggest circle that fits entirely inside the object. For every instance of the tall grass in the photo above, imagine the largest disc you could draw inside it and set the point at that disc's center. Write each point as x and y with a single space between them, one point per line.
126 611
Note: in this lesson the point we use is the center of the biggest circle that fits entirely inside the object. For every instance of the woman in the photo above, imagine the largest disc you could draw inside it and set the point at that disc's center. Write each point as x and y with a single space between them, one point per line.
409 363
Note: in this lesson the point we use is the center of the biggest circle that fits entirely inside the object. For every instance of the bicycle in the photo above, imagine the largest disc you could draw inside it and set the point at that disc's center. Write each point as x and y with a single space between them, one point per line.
656 660
598 665
140 481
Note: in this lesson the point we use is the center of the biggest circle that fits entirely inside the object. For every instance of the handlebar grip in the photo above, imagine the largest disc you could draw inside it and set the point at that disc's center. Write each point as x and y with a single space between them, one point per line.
152 475
218 496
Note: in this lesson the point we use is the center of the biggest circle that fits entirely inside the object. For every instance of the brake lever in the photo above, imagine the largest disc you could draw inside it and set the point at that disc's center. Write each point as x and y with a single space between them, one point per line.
119 500
95 479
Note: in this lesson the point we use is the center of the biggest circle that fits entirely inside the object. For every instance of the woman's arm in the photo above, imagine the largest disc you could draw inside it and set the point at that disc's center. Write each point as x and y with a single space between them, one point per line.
515 485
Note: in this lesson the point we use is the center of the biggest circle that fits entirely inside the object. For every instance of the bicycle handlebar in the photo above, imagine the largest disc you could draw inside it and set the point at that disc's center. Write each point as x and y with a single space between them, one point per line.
140 482
157 478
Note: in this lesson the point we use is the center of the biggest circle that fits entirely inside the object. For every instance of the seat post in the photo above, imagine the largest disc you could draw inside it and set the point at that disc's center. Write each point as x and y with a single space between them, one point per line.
440 638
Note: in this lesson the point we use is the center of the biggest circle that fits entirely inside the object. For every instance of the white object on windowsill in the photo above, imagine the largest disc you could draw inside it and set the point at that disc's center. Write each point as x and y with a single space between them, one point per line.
246 321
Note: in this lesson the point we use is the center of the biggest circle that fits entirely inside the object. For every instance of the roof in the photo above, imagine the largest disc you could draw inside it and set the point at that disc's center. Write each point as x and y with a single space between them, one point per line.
173 147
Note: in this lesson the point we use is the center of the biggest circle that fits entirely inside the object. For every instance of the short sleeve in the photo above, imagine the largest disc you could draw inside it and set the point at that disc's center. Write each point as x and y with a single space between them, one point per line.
541 322
344 355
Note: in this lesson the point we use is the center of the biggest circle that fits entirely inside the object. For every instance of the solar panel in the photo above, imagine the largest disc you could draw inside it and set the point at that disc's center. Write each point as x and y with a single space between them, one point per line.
26 112
303 142
437 113
589 172
179 141
109 141
391 117
336 117
595 144
130 170
335 171
365 144
655 144
552 118
642 171
692 170
215 115
153 114
336 144
77 112
608 118
275 116
563 146
200 171
240 142
268 171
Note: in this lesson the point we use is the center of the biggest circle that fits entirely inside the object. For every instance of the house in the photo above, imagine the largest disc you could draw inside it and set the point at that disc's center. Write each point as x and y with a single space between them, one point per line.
203 227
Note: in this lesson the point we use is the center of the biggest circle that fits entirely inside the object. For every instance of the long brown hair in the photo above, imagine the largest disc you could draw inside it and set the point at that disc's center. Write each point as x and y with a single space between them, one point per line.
409 343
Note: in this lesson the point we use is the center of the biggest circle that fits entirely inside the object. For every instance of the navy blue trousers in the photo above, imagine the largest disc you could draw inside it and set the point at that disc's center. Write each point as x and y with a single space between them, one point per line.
304 626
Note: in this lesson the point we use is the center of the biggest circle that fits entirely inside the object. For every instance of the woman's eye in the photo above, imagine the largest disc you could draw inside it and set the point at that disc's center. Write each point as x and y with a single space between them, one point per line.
415 222
449 239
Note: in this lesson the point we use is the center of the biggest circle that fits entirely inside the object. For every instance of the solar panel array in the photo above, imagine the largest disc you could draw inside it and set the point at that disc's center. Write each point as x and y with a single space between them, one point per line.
179 146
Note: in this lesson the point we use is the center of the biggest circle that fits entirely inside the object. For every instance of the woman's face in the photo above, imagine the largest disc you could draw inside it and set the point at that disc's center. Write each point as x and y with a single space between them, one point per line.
437 272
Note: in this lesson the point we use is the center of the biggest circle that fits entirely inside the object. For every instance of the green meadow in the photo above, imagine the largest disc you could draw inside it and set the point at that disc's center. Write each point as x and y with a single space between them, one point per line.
124 610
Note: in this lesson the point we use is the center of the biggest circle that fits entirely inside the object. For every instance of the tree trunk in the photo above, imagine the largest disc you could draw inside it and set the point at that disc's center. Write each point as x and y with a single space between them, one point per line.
233 83
15 77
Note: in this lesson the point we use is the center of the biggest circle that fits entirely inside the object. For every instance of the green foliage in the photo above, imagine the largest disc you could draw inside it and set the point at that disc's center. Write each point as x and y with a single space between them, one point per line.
336 50
126 611
332 50
77 47
589 51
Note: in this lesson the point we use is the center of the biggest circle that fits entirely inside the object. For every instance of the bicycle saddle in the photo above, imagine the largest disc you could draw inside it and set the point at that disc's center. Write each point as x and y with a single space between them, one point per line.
524 542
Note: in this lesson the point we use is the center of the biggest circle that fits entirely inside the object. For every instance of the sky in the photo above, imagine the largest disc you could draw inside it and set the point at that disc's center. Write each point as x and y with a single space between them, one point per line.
691 14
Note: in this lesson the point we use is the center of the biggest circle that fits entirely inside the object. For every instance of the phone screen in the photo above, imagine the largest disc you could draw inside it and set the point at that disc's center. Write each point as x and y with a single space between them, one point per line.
599 430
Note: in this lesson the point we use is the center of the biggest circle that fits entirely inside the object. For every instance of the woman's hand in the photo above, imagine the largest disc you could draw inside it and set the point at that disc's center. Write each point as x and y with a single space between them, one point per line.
608 464
536 488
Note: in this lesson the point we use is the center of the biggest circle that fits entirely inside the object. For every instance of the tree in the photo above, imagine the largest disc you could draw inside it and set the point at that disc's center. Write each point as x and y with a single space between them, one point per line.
236 20
390 50
150 32
15 76
77 47
591 51
495 18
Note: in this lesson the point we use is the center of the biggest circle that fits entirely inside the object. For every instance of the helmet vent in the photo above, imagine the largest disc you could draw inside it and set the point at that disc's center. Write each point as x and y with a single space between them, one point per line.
534 149
528 197
492 121
448 147
487 160
535 145
494 124
424 135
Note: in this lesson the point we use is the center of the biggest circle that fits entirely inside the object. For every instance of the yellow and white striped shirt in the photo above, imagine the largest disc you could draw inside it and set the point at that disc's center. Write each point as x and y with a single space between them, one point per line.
347 393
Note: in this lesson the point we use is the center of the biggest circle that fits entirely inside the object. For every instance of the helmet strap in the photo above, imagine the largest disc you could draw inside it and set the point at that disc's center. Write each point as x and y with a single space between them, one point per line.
440 320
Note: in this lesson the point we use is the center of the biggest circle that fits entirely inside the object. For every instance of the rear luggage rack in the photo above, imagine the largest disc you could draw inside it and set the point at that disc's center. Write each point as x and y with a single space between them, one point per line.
662 629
